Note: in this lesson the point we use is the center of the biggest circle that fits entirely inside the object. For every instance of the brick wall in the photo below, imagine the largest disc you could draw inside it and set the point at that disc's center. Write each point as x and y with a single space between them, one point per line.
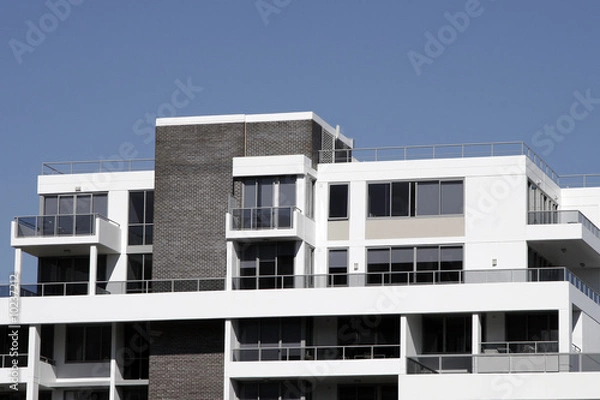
193 182
187 361
193 176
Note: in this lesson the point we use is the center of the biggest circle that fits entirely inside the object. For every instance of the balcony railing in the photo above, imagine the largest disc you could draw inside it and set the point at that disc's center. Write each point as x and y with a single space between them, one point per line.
503 363
562 217
437 151
6 360
54 289
262 218
315 353
161 286
519 347
419 278
86 167
58 225
413 278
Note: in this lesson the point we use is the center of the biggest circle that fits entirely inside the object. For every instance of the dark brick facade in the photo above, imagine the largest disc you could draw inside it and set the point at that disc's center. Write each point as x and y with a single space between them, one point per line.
193 182
187 361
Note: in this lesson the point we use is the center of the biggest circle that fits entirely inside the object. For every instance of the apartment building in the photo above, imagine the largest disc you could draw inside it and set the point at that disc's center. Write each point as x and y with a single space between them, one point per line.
267 257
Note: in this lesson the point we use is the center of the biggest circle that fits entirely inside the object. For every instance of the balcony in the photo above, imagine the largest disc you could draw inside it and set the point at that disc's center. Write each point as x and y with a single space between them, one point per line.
46 235
317 353
578 236
268 222
503 363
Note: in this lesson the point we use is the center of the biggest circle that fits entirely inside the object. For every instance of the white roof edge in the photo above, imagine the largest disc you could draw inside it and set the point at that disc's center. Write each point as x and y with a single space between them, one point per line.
237 118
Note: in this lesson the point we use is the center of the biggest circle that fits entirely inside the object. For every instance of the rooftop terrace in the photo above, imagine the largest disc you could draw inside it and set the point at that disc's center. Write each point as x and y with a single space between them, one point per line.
426 152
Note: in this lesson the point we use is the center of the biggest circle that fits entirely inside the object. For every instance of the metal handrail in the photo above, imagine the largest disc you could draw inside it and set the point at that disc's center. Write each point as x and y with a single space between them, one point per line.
531 346
78 167
562 217
160 286
59 225
316 353
255 218
505 363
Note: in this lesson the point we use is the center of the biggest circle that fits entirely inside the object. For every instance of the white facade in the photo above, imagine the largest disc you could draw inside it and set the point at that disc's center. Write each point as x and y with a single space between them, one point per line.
492 296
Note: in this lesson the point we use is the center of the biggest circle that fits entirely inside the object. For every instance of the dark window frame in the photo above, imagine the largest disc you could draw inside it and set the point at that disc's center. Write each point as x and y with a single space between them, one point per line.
77 342
333 213
141 233
394 207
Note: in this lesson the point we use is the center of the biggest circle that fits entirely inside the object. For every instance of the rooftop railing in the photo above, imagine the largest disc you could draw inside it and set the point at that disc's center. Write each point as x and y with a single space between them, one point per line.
58 225
437 151
503 363
87 167
562 217
315 353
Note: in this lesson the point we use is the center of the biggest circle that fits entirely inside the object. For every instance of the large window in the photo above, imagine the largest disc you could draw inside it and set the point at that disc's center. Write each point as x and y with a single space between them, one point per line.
398 265
338 201
139 269
268 203
88 343
269 333
274 390
69 214
409 199
267 266
54 272
338 267
447 334
141 217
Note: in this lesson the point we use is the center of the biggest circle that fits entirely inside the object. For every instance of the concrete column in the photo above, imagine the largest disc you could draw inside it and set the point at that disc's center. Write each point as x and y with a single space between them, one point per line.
404 342
18 264
476 334
114 368
33 363
564 329
93 270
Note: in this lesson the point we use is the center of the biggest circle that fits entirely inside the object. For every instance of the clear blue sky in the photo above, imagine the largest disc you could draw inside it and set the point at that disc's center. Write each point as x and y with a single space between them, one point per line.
77 91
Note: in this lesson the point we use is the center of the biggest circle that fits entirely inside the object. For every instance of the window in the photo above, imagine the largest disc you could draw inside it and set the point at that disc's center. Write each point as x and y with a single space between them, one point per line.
75 271
447 334
338 201
398 265
338 267
97 394
70 214
267 266
269 333
274 390
141 217
88 343
85 203
409 199
139 268
310 197
268 203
